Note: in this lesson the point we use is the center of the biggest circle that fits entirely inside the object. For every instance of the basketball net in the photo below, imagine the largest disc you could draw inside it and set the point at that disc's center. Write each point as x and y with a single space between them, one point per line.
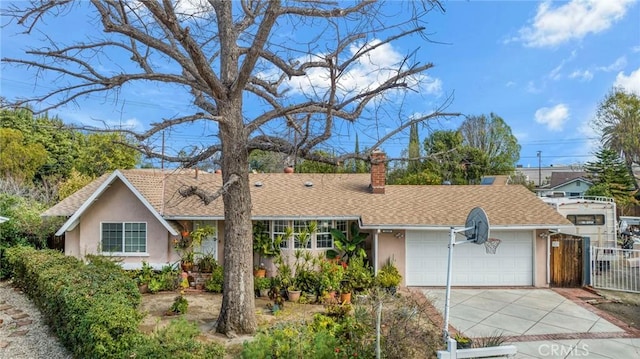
491 245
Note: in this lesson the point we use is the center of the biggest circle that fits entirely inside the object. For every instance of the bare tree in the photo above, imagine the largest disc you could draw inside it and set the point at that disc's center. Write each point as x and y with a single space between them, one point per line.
268 75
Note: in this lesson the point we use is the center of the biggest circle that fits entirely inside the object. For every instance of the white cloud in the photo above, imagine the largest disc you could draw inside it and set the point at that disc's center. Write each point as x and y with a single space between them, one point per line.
533 88
552 117
573 20
584 75
635 48
630 83
617 65
510 84
555 73
368 72
192 7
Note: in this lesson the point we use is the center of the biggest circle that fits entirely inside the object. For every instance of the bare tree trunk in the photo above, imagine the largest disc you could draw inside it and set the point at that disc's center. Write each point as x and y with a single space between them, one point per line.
238 303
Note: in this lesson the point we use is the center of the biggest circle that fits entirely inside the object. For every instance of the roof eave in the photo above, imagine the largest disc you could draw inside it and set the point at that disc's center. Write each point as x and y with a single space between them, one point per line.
75 218
444 227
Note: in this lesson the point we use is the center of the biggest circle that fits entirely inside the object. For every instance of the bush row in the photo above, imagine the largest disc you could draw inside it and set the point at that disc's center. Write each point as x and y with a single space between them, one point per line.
92 307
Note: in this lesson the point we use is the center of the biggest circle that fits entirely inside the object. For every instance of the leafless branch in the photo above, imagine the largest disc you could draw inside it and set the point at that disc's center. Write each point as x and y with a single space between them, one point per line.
205 196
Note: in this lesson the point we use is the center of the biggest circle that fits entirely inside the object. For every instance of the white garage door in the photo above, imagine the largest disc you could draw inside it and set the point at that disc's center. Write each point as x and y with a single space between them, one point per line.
426 260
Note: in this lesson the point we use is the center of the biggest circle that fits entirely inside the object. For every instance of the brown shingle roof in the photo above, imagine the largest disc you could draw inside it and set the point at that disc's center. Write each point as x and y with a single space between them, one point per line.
559 178
335 195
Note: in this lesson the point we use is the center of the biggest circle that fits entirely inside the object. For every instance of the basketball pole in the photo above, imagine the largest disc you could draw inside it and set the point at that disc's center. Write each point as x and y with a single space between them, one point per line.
447 300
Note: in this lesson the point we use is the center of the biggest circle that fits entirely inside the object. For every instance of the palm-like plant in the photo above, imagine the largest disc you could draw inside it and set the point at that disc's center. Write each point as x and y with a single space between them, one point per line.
352 245
262 243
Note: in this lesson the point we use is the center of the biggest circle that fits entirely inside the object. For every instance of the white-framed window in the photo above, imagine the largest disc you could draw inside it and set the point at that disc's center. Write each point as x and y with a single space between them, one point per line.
342 227
324 240
123 237
321 239
301 236
279 229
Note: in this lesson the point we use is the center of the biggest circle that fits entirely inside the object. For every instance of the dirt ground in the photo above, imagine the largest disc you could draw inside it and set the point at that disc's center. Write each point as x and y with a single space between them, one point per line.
204 308
623 305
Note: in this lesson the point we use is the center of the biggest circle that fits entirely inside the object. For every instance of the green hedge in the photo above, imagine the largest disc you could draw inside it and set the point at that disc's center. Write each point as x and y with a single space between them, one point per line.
91 307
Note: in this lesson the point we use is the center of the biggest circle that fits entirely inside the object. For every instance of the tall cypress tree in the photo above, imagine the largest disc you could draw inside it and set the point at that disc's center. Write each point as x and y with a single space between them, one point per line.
358 165
414 165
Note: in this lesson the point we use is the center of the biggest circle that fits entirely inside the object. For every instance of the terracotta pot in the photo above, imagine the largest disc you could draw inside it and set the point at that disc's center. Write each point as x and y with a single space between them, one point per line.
186 266
260 273
143 288
294 295
345 298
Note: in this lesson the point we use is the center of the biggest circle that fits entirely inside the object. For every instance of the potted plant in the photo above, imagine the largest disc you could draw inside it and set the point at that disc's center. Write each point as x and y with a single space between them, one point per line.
186 262
358 274
206 263
350 246
330 276
284 278
198 235
464 342
264 246
389 277
262 286
182 245
293 293
345 292
145 274
306 275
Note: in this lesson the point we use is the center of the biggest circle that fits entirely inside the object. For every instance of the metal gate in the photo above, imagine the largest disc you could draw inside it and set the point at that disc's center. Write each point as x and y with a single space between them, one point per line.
615 269
566 261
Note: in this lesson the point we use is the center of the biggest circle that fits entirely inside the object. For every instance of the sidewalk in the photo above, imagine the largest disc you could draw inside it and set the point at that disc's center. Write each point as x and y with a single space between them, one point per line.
541 323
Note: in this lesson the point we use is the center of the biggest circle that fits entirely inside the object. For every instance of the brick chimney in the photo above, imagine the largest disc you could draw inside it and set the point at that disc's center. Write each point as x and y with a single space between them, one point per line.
378 171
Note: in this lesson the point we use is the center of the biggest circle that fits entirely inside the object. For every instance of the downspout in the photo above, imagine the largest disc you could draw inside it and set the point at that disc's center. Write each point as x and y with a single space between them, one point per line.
375 251
548 258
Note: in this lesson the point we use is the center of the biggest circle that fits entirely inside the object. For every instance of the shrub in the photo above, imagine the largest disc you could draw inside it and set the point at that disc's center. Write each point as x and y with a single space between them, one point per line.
388 276
178 340
291 340
358 275
215 283
260 283
180 305
91 308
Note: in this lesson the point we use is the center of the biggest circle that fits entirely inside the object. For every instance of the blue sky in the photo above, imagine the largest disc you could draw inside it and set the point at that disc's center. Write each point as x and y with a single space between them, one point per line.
542 66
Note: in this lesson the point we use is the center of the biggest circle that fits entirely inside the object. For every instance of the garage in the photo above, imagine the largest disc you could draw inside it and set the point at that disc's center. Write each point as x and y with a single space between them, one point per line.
427 251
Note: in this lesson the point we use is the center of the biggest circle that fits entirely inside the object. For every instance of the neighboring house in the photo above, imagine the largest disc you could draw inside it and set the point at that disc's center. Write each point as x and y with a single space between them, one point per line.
566 184
137 214
541 176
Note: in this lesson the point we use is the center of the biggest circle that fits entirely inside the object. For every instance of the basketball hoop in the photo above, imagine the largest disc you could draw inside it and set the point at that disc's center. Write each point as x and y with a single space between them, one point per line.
491 244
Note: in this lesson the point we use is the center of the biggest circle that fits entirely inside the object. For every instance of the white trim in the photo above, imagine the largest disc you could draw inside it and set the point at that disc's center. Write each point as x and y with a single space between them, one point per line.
125 254
75 218
446 228
124 243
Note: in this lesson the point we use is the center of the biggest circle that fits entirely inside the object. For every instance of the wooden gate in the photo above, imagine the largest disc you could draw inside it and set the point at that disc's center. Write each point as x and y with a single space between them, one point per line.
566 261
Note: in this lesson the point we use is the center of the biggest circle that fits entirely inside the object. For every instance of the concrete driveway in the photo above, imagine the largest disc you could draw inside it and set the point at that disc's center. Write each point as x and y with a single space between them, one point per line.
541 323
